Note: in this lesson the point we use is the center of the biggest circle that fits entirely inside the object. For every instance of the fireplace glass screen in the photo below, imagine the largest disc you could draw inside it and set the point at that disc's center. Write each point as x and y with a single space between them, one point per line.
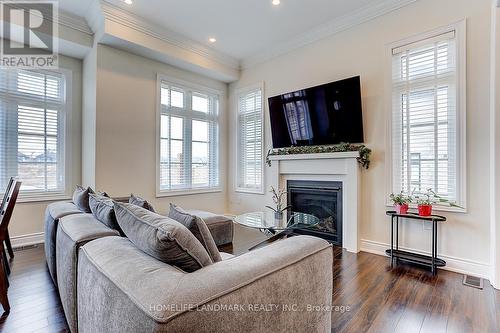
322 199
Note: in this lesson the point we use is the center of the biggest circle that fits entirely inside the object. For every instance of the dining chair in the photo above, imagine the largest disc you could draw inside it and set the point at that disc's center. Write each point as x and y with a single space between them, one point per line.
4 202
5 214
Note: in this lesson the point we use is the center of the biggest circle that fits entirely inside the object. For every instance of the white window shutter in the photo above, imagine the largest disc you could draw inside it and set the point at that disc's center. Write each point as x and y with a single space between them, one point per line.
424 136
250 141
32 131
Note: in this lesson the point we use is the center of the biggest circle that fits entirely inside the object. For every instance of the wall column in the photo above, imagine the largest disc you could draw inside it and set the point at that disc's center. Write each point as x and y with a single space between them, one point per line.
495 146
89 118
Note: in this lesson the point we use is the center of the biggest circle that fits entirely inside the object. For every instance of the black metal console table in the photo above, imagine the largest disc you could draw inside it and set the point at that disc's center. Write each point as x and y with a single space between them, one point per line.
395 253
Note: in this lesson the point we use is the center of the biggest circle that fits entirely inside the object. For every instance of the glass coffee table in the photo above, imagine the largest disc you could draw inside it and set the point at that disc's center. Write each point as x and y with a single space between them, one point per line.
277 227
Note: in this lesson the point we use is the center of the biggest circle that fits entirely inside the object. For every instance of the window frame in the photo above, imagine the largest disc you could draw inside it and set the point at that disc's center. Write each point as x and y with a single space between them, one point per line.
66 141
239 93
460 29
162 78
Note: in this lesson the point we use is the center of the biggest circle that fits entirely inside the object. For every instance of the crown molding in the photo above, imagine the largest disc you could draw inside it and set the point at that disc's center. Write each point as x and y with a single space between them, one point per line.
74 22
95 17
332 27
63 18
118 15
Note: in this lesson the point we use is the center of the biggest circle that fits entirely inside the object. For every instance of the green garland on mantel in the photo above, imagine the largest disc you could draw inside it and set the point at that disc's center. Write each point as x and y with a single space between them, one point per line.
363 159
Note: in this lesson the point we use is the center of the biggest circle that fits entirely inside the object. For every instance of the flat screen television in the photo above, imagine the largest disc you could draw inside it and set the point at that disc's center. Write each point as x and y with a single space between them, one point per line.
323 115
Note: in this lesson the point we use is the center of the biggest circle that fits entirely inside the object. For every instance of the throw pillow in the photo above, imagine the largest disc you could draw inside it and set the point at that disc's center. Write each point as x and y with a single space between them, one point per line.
102 208
161 237
103 194
81 198
199 229
138 201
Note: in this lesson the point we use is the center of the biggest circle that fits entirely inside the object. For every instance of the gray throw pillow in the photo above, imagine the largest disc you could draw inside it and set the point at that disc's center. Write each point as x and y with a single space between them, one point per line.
199 229
138 201
104 194
102 208
81 198
161 237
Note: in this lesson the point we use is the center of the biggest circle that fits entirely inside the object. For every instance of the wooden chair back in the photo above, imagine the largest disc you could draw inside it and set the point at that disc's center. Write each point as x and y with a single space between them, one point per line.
6 193
8 208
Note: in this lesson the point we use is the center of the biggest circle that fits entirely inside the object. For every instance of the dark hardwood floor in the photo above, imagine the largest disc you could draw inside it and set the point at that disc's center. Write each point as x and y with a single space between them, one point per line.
408 299
34 301
370 296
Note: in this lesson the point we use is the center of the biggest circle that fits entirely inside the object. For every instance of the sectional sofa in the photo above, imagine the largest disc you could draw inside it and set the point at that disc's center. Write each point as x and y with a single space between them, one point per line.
108 284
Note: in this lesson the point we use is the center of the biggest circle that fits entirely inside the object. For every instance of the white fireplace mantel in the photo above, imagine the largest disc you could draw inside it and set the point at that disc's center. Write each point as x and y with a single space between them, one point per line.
342 166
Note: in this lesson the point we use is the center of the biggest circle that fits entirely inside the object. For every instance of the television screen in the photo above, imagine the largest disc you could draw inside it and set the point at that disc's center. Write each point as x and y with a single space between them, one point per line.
322 115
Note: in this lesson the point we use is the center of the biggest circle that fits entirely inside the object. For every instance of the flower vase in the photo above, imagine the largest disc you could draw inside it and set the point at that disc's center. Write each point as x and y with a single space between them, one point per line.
401 209
425 210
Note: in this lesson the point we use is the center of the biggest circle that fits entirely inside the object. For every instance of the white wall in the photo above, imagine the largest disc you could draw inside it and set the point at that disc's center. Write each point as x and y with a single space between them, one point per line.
126 128
27 220
362 51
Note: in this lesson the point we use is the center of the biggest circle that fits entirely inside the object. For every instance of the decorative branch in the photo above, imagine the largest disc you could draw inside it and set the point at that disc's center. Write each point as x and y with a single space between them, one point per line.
278 200
363 159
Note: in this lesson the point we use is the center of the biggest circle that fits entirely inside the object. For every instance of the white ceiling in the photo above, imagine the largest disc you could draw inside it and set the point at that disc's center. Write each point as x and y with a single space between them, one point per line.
243 28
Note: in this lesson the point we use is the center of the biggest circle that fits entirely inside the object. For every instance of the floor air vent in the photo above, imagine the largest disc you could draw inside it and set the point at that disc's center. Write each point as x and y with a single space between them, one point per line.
472 281
26 247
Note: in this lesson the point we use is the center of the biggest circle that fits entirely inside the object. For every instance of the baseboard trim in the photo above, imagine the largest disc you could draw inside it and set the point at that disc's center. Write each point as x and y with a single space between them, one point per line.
27 240
453 264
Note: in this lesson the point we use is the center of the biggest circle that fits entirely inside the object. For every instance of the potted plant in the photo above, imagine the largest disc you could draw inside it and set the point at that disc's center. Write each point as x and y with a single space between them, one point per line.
278 201
424 204
427 200
401 202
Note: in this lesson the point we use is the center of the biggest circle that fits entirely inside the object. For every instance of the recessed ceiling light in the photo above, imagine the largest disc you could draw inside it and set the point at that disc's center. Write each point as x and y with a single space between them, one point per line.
212 40
128 2
276 2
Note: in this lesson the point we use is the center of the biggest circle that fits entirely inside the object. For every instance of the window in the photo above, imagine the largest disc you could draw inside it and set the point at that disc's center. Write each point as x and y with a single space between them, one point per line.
249 155
189 139
428 136
32 131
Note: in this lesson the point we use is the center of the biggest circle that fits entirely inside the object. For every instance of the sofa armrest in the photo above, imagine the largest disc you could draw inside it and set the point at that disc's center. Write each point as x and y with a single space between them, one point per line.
53 213
286 276
273 289
73 232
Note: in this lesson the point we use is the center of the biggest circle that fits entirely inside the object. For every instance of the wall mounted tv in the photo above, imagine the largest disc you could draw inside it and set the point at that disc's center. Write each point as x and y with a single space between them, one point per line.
323 115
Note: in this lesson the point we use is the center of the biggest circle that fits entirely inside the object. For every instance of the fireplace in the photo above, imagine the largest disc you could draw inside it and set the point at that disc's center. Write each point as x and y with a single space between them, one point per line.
322 199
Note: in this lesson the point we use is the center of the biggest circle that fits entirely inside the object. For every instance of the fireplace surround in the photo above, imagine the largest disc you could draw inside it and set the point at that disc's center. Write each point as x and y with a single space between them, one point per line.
339 167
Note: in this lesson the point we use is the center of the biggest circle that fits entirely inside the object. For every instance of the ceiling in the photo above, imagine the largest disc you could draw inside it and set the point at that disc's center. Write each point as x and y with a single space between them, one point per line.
243 28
